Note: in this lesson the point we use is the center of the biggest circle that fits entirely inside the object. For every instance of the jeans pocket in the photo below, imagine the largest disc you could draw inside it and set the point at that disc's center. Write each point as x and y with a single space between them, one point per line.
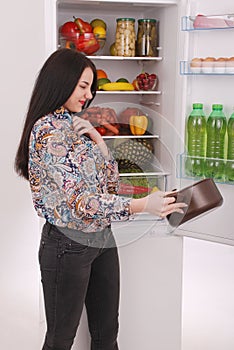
76 248
48 254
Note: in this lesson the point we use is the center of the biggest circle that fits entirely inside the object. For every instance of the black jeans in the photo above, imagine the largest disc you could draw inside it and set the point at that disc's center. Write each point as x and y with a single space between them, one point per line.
74 274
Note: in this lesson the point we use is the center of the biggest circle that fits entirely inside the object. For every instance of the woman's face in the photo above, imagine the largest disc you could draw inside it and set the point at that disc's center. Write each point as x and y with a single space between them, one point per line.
81 93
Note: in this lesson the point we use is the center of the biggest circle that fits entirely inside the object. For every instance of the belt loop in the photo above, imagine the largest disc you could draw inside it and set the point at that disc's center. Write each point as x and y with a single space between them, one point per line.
47 228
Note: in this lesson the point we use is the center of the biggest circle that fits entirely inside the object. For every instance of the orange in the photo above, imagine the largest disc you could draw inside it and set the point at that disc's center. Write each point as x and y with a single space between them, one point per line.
101 74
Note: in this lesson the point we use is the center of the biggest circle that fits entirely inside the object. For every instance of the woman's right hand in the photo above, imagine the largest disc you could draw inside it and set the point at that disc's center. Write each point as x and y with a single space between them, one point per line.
157 204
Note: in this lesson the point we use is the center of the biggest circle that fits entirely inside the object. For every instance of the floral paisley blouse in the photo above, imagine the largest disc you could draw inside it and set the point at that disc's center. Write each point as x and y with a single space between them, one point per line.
72 185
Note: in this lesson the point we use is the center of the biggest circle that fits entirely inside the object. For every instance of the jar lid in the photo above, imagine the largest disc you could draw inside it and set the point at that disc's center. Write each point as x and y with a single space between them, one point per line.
125 19
142 20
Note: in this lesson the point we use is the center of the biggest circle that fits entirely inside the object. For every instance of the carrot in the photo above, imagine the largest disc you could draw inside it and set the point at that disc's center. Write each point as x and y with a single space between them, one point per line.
111 128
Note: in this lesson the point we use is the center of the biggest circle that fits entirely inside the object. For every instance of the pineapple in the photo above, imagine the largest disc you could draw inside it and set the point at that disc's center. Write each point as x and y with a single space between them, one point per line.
133 153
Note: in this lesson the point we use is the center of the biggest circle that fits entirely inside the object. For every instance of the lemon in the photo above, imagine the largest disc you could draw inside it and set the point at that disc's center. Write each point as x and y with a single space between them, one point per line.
97 22
100 32
154 189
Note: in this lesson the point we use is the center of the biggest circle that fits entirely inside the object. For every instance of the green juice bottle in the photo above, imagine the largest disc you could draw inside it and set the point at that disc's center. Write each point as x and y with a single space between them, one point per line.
196 141
230 151
216 130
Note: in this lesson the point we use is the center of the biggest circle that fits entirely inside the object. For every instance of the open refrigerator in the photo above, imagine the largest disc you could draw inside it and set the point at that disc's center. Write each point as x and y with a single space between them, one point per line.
150 251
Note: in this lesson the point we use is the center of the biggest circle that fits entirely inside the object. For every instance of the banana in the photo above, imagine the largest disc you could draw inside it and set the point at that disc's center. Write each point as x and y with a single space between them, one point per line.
117 86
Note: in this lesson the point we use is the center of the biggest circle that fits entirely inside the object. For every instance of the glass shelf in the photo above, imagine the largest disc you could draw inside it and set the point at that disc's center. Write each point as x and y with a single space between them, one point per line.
147 173
185 69
186 168
122 58
214 22
129 92
131 137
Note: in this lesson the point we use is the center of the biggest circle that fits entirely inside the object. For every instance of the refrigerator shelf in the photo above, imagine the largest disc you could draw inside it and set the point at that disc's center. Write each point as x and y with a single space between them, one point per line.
185 69
142 92
131 137
149 173
213 22
122 58
184 166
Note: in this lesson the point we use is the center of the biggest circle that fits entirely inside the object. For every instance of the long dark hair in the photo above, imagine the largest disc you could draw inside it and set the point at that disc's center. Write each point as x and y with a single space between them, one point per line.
54 85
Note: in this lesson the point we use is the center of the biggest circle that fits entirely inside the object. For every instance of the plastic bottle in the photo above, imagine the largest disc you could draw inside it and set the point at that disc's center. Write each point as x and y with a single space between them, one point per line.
230 151
196 141
216 130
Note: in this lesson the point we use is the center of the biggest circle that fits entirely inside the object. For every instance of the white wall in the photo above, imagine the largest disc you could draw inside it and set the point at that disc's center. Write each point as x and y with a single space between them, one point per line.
22 52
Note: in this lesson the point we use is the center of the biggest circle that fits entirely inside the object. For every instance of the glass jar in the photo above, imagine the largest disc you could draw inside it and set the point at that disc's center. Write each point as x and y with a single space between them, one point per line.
125 37
147 37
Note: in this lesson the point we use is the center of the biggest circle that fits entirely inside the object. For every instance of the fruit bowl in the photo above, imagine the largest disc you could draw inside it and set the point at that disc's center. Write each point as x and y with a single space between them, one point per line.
146 82
87 43
101 40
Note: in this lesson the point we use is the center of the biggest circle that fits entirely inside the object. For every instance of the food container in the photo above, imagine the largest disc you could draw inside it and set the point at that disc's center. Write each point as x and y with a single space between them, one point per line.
200 197
139 186
125 37
196 65
147 38
230 65
220 65
87 43
208 65
150 85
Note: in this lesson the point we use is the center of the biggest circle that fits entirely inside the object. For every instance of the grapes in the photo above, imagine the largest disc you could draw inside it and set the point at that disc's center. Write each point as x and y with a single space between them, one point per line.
146 81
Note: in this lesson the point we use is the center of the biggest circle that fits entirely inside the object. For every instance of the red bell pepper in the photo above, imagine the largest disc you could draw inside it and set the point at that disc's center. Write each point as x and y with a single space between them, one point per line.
84 27
91 46
130 189
87 46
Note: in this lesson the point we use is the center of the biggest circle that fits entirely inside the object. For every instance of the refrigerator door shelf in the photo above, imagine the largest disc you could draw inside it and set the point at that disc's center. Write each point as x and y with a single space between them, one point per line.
185 161
201 22
186 69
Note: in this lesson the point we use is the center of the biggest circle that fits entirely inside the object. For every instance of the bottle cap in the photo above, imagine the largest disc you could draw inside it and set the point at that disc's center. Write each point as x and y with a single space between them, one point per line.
198 105
217 106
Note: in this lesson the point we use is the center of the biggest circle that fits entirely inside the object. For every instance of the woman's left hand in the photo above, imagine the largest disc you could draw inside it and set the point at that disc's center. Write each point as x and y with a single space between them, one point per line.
83 126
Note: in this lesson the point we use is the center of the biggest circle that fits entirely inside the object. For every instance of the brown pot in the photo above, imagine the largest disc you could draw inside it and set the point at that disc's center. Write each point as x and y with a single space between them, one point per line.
200 197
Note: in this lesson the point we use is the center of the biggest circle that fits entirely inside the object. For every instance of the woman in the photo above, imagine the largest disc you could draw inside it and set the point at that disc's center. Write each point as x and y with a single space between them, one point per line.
74 181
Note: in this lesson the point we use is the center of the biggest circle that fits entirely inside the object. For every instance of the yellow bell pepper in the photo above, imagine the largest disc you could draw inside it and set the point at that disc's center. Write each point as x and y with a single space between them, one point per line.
138 124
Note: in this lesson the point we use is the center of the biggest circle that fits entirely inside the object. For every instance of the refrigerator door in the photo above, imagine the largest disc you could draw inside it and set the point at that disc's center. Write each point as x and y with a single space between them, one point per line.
207 87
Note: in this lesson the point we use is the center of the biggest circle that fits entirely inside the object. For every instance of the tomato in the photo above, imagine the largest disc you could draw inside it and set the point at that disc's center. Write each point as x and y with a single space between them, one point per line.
69 29
101 130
